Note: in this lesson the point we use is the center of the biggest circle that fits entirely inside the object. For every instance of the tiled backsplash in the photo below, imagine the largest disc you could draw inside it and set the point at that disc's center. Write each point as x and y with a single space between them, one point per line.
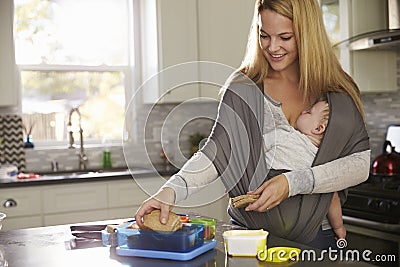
40 160
381 110
175 132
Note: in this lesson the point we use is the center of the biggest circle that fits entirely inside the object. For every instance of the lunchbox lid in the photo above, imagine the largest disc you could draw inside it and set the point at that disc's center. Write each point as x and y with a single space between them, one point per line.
204 221
187 229
245 234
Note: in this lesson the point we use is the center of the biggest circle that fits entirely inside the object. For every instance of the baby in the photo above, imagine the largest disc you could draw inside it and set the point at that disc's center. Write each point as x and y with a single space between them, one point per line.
312 123
307 136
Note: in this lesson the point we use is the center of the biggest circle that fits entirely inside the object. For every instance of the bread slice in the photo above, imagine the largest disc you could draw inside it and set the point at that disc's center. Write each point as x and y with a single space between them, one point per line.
112 228
152 222
243 200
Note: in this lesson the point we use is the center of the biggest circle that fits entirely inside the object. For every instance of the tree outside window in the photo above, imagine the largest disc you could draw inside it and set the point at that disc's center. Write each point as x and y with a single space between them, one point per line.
73 53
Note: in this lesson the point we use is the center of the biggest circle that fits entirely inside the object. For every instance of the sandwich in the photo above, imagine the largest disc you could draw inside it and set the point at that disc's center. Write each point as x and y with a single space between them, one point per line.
243 200
152 222
112 228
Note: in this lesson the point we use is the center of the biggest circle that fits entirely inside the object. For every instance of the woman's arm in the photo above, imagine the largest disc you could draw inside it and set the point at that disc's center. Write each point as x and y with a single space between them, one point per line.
332 176
197 172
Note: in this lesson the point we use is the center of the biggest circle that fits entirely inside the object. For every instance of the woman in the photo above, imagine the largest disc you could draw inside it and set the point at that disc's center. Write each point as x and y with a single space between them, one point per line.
291 62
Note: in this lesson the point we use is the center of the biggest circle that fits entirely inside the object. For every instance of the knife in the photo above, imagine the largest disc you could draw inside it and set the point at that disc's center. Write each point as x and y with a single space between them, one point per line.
87 228
87 235
77 243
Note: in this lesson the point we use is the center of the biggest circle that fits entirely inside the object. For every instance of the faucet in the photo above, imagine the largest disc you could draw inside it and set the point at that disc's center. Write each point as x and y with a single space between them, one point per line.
82 156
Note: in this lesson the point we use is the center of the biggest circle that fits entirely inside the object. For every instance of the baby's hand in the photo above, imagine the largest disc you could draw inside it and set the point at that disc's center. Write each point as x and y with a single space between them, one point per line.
340 232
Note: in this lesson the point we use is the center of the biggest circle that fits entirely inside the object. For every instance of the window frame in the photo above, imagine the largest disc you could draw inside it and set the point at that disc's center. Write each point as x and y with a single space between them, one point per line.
131 71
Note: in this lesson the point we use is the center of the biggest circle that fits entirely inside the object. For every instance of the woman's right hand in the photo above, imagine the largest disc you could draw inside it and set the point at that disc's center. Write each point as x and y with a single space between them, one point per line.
163 200
272 193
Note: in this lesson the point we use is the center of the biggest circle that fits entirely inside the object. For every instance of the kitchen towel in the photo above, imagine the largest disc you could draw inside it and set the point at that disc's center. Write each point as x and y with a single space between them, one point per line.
12 146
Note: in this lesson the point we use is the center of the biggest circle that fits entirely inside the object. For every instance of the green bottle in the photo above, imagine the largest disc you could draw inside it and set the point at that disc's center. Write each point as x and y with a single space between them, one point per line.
107 160
106 155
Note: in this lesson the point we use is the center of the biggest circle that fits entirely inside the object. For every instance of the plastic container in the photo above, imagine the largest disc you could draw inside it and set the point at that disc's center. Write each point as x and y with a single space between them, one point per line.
184 218
245 242
209 227
170 255
109 239
191 236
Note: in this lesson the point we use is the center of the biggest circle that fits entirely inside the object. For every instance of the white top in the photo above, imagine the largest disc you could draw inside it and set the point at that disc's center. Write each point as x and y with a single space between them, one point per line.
291 150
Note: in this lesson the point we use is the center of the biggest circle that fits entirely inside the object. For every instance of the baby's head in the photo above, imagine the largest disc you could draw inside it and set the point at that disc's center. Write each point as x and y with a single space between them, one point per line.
313 121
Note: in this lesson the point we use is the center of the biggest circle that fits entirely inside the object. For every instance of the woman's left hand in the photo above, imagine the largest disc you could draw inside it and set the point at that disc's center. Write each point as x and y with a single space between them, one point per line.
272 192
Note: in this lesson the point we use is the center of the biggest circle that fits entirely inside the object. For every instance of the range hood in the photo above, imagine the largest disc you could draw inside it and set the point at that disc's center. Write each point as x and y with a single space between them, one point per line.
383 39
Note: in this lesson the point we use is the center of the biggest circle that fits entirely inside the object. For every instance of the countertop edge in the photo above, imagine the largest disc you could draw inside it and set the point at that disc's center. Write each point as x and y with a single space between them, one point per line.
90 177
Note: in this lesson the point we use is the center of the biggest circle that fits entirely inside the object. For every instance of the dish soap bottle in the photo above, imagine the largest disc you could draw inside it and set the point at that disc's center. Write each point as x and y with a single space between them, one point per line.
106 154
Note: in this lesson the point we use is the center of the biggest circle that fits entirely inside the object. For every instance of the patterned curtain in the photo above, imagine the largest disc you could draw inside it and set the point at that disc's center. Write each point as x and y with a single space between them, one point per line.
12 145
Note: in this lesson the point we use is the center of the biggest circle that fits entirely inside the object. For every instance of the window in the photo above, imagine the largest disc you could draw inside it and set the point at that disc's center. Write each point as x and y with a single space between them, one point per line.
330 11
75 53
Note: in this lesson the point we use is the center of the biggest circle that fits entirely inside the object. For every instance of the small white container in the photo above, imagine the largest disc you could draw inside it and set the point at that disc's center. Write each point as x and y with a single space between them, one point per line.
245 242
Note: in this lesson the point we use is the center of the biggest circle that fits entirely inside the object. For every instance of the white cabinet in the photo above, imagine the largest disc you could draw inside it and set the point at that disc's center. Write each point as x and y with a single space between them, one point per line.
72 203
367 16
12 223
73 197
187 31
373 70
8 69
223 29
124 198
22 207
176 27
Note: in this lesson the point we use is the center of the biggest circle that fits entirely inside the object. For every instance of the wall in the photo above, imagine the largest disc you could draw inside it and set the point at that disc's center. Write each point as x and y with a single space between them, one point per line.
40 160
169 126
382 109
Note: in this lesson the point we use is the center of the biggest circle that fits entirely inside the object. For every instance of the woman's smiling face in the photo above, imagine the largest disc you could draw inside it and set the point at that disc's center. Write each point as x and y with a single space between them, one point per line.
277 40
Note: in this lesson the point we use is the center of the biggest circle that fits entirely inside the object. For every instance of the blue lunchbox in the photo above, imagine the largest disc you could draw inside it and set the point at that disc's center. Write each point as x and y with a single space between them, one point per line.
190 237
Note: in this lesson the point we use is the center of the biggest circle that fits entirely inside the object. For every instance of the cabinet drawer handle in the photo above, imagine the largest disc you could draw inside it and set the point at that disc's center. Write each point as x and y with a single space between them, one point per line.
9 203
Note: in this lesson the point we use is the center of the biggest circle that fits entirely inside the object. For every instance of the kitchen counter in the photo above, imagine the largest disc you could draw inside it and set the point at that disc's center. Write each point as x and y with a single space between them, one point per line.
88 175
51 246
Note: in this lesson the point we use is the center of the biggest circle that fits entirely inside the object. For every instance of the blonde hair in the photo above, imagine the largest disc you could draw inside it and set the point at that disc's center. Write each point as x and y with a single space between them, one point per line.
320 70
